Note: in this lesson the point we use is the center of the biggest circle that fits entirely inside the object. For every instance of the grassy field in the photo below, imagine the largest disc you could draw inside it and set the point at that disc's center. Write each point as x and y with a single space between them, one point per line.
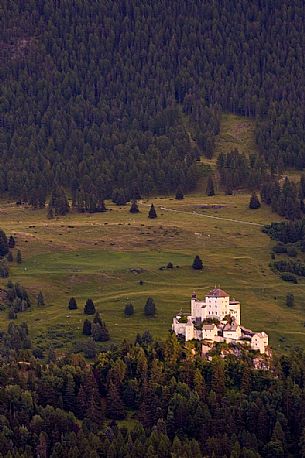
99 256
94 256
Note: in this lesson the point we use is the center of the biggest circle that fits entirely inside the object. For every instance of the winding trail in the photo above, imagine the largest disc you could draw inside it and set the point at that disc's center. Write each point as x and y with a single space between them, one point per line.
205 216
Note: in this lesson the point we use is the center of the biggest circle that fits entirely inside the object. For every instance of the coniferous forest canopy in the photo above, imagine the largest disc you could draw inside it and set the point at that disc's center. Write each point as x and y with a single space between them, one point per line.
94 95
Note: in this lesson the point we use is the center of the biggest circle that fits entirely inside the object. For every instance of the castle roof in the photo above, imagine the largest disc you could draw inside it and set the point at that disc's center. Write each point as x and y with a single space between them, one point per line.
217 292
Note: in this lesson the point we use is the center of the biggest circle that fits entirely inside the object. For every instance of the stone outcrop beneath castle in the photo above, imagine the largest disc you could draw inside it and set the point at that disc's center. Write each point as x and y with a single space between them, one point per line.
217 319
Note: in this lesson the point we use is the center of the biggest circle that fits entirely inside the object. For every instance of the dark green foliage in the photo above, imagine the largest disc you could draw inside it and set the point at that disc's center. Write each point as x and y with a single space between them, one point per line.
292 252
283 200
291 232
197 263
40 299
11 242
10 257
50 214
279 249
4 271
100 332
210 186
19 257
236 171
129 310
290 300
295 267
4 248
72 304
89 308
254 203
179 194
59 202
150 307
17 297
87 328
134 208
66 407
12 315
152 212
119 197
289 277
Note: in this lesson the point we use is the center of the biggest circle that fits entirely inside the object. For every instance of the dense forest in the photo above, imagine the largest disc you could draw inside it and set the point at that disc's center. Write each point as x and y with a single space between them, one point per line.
176 404
97 96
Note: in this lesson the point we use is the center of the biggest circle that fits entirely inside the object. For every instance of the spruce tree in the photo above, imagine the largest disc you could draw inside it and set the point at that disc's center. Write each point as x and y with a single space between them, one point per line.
11 242
290 300
210 186
9 257
89 308
254 203
150 307
87 327
59 201
72 304
19 257
179 194
4 248
129 310
197 263
50 214
134 208
40 299
152 212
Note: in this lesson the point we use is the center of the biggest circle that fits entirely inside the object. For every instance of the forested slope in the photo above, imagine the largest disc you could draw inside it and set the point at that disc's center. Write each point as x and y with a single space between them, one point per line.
92 92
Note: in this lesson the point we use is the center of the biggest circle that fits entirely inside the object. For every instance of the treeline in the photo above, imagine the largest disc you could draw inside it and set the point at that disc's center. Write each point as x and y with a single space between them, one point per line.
178 404
95 95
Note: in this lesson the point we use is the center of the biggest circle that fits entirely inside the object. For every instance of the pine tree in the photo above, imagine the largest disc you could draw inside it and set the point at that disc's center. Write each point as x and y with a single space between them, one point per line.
89 308
87 328
150 307
40 299
152 212
9 257
59 201
134 207
290 300
197 263
254 203
210 186
19 257
72 304
129 310
179 194
11 242
50 214
4 248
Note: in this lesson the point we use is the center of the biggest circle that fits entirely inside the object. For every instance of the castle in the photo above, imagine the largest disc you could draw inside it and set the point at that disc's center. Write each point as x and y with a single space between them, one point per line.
217 319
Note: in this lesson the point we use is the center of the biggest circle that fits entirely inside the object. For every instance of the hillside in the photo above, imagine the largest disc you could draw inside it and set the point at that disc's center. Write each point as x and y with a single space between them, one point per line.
99 255
92 93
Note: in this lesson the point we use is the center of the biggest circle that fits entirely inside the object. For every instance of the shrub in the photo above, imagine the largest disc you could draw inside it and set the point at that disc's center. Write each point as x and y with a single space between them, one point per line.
152 212
87 326
289 277
179 194
279 249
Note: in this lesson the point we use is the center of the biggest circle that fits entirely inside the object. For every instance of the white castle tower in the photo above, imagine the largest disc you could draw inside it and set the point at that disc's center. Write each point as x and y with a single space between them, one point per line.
216 304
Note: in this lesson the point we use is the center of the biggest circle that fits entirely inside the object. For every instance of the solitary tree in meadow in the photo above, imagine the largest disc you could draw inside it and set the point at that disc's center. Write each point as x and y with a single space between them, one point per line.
290 300
72 304
40 299
129 310
134 208
89 308
19 257
254 203
152 212
197 263
150 307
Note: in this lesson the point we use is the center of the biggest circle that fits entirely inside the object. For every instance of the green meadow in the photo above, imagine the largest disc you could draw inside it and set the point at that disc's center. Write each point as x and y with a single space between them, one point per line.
115 258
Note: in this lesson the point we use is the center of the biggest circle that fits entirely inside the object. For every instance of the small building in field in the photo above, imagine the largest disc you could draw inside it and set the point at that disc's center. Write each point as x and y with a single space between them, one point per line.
217 319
